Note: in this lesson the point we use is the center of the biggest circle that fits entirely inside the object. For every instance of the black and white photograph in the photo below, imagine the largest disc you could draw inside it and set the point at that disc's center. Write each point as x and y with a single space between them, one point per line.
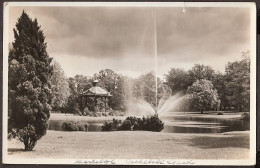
129 83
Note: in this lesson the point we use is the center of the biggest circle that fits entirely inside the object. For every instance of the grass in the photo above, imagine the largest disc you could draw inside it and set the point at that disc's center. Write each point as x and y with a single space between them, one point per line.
135 145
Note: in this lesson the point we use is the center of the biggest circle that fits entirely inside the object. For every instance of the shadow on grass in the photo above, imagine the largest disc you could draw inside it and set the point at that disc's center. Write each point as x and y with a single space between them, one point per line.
206 142
15 150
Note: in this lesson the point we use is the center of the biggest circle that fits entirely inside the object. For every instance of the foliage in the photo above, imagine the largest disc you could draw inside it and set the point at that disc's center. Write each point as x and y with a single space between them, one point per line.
126 125
152 123
111 126
74 126
202 95
219 85
60 87
113 83
238 83
199 72
29 87
145 88
76 85
178 80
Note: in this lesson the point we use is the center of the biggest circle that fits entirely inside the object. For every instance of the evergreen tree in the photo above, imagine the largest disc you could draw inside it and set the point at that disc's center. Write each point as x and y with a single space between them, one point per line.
29 87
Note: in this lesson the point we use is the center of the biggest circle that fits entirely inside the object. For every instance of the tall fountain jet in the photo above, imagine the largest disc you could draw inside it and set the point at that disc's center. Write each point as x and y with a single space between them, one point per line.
155 53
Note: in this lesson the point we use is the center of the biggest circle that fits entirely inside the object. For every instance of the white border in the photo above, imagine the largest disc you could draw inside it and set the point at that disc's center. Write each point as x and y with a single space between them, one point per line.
252 7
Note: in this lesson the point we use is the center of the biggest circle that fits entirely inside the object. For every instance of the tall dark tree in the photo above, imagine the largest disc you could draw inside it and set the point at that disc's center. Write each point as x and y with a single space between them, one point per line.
29 87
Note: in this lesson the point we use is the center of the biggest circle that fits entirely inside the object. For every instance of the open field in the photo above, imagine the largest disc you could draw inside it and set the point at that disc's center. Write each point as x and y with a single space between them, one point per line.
135 145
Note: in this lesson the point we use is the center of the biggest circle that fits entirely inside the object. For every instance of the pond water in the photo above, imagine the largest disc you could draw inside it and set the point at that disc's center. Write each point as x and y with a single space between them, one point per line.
181 124
204 125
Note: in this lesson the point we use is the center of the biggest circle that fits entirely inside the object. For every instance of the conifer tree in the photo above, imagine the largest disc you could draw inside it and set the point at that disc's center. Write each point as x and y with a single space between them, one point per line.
29 93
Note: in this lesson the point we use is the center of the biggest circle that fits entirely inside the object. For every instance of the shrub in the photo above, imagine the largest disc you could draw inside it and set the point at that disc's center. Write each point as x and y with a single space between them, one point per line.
245 116
132 123
220 113
126 125
111 126
154 124
74 126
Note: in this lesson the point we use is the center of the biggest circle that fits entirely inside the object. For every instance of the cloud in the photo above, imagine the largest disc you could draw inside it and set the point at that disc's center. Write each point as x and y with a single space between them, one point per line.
123 38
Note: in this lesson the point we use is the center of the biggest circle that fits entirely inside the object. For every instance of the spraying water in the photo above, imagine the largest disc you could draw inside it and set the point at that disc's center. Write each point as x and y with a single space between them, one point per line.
139 107
155 52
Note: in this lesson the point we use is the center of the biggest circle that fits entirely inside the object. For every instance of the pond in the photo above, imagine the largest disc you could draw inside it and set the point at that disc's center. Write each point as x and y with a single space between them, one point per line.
180 124
203 125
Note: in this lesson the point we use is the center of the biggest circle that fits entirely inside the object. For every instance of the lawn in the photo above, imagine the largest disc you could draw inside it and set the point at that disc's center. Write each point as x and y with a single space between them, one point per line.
135 144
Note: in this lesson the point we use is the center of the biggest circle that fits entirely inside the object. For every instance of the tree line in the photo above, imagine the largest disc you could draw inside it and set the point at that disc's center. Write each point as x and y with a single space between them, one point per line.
232 88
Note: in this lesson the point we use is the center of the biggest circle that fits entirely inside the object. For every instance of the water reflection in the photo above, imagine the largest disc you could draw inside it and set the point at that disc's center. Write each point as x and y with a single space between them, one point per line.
184 124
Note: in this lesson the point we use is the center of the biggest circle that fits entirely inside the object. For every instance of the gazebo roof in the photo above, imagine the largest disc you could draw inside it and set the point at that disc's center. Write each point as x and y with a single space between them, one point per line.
96 91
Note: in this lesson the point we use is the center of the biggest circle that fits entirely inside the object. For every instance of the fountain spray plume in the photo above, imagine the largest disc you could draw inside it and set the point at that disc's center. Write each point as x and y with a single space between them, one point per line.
155 53
171 104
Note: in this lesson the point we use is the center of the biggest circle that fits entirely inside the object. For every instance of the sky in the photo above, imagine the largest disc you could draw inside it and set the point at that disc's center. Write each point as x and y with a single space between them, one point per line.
136 40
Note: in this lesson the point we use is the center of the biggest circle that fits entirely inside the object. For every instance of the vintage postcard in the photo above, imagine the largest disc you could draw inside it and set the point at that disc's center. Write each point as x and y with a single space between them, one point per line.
129 83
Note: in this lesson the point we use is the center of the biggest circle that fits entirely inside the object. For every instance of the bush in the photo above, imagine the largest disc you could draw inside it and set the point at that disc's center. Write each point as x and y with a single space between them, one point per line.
220 113
126 125
111 126
132 123
154 124
245 116
74 126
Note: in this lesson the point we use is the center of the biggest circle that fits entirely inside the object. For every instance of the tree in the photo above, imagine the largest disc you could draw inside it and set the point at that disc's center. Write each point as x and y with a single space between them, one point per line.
77 85
238 83
220 86
118 99
178 80
202 95
113 83
199 72
29 87
60 87
145 88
